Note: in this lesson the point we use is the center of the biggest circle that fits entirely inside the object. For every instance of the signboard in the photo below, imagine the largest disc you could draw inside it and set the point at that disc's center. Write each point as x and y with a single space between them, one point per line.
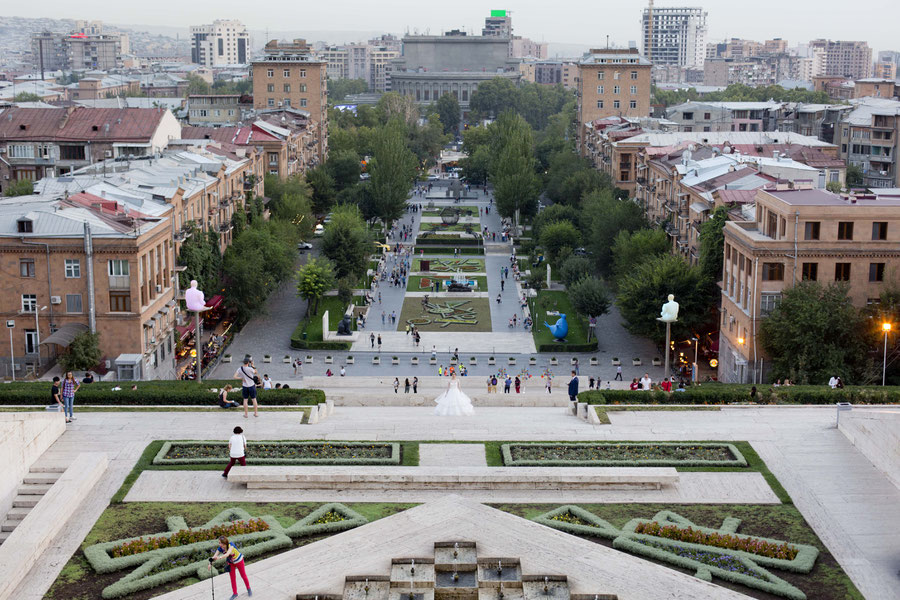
498 13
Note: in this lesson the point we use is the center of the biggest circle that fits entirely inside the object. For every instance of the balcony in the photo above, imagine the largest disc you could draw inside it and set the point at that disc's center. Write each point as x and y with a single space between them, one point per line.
225 227
119 282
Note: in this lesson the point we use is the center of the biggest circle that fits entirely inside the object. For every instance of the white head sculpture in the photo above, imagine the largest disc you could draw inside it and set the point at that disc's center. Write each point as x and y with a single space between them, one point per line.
669 310
194 299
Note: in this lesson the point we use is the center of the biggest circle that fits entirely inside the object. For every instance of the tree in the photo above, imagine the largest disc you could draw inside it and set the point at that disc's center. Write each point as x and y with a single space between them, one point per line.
575 268
632 248
552 214
590 297
394 106
254 265
516 186
477 166
83 353
557 236
815 333
346 243
834 187
644 290
712 246
196 86
200 255
338 89
323 192
343 166
26 97
392 170
22 187
449 112
854 176
603 218
313 280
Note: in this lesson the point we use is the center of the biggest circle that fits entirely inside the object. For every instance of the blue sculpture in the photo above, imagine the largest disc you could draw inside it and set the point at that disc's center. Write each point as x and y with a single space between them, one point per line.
560 330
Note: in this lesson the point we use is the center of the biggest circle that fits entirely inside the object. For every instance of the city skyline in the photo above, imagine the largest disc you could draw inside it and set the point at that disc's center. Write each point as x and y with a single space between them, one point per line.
795 22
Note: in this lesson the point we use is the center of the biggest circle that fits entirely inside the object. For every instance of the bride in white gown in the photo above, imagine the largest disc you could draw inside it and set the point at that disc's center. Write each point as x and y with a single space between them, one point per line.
453 402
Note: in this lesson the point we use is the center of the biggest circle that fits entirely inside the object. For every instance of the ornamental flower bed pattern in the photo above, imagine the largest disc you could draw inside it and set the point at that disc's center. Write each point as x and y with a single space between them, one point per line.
281 453
656 454
184 537
727 541
735 565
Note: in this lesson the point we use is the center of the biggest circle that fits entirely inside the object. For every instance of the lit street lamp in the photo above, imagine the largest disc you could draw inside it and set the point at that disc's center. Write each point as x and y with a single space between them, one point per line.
886 328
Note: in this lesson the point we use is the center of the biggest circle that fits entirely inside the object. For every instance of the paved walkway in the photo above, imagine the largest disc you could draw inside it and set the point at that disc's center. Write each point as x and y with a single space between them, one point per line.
452 455
851 505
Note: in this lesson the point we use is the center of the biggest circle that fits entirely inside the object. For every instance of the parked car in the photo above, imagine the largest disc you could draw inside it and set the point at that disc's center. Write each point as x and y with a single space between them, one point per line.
433 178
304 246
319 230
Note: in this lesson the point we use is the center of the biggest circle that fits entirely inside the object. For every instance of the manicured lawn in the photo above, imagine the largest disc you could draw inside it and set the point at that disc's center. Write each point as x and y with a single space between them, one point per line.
451 265
458 314
312 324
414 283
556 301
428 228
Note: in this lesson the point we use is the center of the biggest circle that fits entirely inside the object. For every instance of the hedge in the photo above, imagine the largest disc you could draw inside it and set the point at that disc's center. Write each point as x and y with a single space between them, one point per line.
298 343
563 347
276 538
443 250
719 393
153 393
445 240
739 460
394 458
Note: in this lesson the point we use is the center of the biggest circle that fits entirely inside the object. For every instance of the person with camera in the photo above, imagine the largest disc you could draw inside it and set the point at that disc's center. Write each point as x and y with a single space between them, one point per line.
249 380
234 562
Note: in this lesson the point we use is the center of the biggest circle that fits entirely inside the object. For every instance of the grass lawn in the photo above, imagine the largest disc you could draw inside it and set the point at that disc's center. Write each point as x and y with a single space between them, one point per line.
414 283
460 314
556 301
451 265
312 324
427 228
827 580
78 581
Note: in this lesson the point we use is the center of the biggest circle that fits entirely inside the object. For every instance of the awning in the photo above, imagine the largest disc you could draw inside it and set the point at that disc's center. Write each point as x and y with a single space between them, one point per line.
65 334
699 207
185 332
215 301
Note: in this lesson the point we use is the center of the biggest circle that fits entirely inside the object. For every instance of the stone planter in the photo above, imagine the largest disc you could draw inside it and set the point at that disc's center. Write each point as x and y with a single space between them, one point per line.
636 362
532 362
616 362
226 358
350 360
657 362
594 361
329 360
432 361
286 360
511 360
573 361
376 360
414 360
473 360
309 359
491 361
554 362
395 360
267 359
453 361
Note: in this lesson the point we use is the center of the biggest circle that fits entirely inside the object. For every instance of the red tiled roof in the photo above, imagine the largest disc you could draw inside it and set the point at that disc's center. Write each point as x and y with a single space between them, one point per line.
240 136
81 123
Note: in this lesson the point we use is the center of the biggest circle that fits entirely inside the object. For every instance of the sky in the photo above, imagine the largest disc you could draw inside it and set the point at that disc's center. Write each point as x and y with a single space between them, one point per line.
561 21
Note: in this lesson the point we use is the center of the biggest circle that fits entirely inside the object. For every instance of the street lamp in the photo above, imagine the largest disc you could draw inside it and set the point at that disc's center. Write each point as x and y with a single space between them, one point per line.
37 329
886 328
696 341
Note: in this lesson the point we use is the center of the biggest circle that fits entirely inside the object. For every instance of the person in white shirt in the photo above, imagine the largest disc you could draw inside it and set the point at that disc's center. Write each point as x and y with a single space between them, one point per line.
833 382
646 382
237 447
267 383
248 376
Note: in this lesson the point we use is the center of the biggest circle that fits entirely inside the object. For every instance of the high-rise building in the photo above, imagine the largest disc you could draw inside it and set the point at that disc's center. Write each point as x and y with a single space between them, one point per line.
87 46
891 56
499 24
289 75
677 37
370 63
852 60
49 51
219 44
885 70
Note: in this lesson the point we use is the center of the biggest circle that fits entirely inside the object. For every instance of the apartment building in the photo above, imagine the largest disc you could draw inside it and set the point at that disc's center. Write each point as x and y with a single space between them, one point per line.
876 87
817 120
163 85
885 70
221 43
290 76
726 116
556 72
97 84
677 36
613 82
87 46
42 142
849 59
81 262
796 235
868 140
214 110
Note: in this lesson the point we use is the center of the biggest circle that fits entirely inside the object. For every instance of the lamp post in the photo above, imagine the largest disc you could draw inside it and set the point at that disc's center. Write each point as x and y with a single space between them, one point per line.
10 324
696 341
740 342
886 328
37 329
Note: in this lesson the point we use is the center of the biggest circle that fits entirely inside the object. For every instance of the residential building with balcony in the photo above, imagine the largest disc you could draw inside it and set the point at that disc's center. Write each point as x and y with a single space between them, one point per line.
677 36
221 43
97 84
726 116
868 140
795 235
43 142
849 59
876 87
215 110
817 120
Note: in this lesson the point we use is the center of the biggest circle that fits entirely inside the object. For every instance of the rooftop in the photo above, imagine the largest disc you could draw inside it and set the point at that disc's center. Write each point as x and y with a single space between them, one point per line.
660 138
80 124
865 108
818 197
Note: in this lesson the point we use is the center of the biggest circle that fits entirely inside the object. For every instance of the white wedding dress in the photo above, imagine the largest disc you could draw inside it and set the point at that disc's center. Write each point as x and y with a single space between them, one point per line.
453 402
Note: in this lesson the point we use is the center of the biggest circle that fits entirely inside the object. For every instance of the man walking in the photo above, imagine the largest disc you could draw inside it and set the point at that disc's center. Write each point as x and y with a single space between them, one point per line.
379 342
434 353
372 339
573 387
502 285
415 385
236 450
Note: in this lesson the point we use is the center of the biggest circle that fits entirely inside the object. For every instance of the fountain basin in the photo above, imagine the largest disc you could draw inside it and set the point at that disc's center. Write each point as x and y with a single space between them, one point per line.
466 555
402 573
510 571
355 587
464 579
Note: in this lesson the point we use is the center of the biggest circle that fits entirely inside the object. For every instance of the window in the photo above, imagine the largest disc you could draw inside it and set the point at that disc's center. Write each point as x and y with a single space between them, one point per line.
287 88
29 303
599 89
810 271
616 104
812 230
876 272
270 87
707 116
118 267
302 72
634 74
688 116
773 271
21 151
616 75
616 89
119 302
302 87
632 104
768 302
600 75
71 152
270 73
270 102
842 271
73 303
302 101
599 103
26 267
31 342
287 72
273 158
73 268
879 230
633 90
845 230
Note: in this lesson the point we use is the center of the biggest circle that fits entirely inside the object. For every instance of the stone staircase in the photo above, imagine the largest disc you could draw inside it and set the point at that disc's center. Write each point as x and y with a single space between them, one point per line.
36 483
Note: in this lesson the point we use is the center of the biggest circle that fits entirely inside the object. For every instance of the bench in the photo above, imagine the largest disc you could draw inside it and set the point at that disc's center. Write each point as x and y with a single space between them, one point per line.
453 478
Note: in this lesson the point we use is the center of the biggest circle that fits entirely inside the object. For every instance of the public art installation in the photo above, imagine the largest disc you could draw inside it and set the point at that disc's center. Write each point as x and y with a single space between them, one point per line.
194 298
560 329
446 314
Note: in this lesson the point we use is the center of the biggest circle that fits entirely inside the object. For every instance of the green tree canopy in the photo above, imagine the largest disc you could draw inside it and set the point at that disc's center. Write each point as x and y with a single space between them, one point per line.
476 167
644 290
344 168
202 259
392 170
712 245
854 176
21 187
575 268
82 354
557 236
536 103
553 213
740 93
516 186
449 112
26 97
338 89
815 333
323 192
197 86
255 263
632 248
590 297
314 279
346 242
603 217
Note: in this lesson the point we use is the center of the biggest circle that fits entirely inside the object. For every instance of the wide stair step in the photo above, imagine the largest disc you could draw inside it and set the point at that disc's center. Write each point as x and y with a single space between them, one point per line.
41 478
47 468
17 514
9 525
4 535
25 501
34 489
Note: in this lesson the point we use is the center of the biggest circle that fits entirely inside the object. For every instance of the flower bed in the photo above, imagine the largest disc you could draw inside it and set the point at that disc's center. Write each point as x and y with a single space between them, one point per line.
661 454
281 453
727 541
184 537
710 559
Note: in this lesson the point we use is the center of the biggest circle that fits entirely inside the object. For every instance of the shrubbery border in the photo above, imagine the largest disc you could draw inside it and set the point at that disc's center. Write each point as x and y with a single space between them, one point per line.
394 459
719 393
508 460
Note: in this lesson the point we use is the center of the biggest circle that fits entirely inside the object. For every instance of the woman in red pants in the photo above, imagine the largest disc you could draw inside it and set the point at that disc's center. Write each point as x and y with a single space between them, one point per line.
235 561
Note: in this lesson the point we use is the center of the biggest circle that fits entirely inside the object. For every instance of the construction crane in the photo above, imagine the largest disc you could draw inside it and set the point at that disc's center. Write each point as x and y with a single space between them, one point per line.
649 46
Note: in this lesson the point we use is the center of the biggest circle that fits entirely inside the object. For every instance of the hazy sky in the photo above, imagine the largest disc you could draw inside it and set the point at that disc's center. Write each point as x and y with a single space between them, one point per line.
562 21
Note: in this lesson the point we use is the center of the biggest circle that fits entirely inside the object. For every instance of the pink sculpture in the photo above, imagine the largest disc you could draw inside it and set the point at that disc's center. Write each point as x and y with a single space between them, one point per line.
194 298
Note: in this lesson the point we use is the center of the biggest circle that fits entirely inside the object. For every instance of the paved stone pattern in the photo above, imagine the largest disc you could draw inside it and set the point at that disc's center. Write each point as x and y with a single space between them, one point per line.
452 455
